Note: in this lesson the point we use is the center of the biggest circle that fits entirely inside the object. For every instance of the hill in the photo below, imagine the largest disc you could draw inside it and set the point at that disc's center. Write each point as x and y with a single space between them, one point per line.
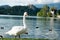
18 10
57 5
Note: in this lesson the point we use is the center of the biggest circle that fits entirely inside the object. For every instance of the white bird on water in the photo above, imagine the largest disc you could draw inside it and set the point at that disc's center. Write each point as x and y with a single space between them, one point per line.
17 30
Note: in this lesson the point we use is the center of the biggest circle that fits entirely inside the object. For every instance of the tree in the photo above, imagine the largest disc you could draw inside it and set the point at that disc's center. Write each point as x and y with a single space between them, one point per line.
58 12
43 11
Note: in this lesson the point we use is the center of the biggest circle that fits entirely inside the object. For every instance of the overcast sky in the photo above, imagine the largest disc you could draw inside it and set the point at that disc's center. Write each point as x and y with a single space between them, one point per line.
26 2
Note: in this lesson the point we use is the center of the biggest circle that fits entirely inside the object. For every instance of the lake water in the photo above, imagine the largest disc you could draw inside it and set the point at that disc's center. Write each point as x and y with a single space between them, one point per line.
43 24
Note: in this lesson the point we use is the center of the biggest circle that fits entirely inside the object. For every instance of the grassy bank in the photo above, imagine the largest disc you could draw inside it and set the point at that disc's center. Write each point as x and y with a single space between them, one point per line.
21 39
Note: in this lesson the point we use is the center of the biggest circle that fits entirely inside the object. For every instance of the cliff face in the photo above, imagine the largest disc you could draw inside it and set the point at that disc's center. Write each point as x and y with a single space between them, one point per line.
18 10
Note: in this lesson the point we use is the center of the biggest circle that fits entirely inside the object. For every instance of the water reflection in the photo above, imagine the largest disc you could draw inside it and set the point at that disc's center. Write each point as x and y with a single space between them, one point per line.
52 34
43 24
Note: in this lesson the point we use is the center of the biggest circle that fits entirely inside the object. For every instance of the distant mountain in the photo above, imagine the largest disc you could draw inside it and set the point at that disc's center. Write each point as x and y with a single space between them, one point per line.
57 5
18 10
5 6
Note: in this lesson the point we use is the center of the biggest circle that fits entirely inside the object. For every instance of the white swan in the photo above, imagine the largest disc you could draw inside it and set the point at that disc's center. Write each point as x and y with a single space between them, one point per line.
17 30
52 12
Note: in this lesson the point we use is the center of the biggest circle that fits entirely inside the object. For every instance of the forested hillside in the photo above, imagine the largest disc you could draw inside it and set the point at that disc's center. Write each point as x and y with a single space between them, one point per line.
18 10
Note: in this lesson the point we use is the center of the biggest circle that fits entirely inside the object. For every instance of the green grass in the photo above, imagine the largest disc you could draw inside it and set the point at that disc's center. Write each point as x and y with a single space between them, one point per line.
21 39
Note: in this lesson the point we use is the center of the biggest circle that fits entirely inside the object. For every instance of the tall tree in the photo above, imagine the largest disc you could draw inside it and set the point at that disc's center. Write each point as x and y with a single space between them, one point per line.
43 11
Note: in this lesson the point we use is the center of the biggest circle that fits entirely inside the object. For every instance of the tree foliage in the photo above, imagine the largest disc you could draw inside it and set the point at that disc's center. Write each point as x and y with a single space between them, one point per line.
46 11
58 12
43 11
18 10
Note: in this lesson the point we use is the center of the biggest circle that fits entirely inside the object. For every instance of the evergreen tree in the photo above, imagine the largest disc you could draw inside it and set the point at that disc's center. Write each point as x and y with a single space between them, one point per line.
43 12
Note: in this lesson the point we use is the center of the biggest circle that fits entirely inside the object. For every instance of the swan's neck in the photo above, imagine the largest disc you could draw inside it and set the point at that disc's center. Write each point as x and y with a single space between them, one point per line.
24 24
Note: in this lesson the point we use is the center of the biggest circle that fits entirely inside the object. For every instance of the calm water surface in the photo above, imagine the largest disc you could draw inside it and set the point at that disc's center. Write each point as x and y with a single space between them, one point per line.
43 24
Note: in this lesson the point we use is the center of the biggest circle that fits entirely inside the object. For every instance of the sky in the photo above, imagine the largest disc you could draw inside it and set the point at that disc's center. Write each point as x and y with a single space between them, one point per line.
26 2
